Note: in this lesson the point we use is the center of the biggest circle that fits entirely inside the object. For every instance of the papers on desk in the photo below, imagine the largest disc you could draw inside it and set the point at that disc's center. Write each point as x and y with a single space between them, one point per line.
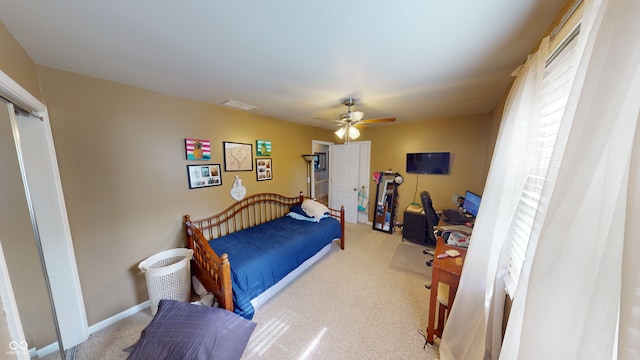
457 235
459 228
449 253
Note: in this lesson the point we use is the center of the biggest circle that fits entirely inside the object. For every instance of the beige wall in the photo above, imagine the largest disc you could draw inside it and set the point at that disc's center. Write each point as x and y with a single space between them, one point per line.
16 233
122 163
17 64
467 138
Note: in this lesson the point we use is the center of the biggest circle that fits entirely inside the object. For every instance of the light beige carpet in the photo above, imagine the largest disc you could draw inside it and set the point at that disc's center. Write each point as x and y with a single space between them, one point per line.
352 304
410 259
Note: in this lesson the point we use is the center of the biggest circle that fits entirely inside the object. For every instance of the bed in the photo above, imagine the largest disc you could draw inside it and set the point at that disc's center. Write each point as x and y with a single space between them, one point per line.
248 252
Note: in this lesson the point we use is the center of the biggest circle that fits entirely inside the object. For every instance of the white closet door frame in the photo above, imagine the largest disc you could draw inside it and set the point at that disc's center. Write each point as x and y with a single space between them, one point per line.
49 215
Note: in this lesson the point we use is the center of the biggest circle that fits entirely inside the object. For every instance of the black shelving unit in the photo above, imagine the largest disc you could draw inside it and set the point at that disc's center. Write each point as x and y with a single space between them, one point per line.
414 228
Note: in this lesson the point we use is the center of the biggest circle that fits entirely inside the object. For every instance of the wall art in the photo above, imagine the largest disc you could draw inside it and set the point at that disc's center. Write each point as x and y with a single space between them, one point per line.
264 170
238 156
263 148
238 191
320 161
204 175
197 149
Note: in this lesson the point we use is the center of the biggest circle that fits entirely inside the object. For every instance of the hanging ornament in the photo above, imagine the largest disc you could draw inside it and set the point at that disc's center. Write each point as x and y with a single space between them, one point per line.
237 190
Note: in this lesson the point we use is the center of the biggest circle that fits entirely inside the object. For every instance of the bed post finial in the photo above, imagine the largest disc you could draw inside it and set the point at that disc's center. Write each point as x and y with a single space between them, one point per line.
187 226
342 227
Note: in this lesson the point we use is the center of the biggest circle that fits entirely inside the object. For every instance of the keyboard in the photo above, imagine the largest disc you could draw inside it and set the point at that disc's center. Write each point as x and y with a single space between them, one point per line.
455 217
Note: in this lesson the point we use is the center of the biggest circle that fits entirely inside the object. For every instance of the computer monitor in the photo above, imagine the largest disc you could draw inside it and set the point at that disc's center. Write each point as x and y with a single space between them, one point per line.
471 203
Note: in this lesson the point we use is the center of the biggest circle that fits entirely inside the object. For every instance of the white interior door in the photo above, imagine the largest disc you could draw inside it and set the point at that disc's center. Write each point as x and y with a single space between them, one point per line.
344 164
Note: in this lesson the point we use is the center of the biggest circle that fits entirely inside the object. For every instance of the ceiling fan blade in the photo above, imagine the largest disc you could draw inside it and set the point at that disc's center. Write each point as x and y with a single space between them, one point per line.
380 120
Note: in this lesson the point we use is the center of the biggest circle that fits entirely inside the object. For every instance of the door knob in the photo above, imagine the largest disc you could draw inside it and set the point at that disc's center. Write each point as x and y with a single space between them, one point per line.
354 189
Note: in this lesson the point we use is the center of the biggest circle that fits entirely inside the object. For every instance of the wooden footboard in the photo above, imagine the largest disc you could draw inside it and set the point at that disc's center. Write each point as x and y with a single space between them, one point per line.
213 270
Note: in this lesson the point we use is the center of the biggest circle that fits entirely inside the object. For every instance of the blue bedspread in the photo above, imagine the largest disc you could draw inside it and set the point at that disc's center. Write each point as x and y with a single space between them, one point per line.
262 255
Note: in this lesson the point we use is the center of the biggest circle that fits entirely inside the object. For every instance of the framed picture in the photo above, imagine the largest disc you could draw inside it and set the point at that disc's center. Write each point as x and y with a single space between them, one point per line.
238 156
204 175
264 170
320 161
263 148
197 149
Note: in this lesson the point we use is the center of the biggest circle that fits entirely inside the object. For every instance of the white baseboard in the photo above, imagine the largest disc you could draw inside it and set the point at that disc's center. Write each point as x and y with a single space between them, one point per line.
117 317
44 351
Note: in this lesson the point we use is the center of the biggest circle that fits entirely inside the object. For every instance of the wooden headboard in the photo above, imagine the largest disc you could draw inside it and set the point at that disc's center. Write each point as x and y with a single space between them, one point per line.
252 211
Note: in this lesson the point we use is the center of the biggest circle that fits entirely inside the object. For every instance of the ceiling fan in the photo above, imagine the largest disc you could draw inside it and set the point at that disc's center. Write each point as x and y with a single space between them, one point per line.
350 119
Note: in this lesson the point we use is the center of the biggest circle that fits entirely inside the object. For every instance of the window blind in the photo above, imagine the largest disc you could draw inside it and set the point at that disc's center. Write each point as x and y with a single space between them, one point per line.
557 79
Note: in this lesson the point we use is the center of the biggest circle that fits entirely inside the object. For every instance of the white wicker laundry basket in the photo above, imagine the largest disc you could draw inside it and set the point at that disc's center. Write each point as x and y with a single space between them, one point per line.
168 275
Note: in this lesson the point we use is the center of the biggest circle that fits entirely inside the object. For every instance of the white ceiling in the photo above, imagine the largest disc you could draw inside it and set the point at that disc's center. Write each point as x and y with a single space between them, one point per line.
295 60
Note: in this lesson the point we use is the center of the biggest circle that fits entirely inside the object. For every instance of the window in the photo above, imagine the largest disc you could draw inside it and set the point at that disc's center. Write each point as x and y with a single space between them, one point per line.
557 79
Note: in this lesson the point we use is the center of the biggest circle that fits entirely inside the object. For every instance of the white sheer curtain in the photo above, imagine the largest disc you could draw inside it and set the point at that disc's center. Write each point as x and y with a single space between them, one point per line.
579 294
467 328
568 308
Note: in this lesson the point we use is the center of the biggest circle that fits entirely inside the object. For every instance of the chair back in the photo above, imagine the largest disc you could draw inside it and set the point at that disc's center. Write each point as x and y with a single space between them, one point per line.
431 215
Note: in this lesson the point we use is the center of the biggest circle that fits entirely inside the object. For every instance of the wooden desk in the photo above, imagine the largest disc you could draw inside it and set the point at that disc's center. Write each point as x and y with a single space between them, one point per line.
446 271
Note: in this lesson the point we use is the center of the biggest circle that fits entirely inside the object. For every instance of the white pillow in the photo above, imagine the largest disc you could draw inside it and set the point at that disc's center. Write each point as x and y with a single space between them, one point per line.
314 208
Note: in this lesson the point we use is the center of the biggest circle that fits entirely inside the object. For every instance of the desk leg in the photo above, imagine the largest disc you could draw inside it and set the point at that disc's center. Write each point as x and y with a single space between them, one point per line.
452 296
433 299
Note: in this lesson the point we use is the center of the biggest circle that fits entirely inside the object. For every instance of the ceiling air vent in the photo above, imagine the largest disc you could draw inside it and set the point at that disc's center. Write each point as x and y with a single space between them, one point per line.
238 105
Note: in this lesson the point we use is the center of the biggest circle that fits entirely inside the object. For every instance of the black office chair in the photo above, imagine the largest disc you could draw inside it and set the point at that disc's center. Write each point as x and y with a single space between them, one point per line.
431 222
431 215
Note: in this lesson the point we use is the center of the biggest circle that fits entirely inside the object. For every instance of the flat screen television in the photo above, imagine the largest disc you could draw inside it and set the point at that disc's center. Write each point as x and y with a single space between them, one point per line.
428 163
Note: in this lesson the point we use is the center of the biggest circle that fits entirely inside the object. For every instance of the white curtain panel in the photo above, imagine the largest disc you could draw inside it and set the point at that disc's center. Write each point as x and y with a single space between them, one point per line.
579 296
466 329
570 306
629 334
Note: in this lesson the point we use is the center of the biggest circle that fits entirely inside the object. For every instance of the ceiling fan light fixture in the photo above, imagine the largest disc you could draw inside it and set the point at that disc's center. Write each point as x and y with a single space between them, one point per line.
353 132
349 120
